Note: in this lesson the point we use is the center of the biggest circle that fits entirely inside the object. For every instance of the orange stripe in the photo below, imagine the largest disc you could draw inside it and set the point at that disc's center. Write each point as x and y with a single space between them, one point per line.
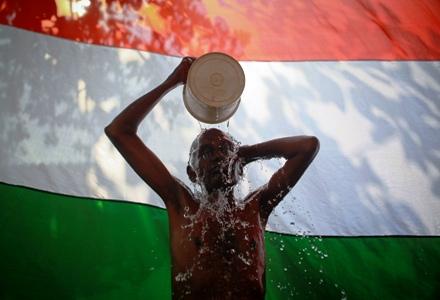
247 30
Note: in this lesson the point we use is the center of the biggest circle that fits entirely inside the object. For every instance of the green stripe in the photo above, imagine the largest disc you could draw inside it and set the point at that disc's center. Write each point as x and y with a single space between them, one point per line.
60 247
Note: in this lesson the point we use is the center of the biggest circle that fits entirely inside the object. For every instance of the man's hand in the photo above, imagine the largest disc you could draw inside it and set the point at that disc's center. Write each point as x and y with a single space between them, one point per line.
180 73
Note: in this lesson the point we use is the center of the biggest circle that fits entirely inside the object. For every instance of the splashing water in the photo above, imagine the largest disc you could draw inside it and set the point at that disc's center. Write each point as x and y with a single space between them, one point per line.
219 219
221 213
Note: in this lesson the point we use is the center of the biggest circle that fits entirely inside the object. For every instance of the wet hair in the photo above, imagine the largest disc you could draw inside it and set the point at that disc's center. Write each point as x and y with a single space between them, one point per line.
195 143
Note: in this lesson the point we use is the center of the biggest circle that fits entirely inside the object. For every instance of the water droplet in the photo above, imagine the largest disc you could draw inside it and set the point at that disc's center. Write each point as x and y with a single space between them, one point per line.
344 296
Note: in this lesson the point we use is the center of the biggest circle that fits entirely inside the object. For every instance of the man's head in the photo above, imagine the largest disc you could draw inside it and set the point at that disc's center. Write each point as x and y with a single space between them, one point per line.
213 160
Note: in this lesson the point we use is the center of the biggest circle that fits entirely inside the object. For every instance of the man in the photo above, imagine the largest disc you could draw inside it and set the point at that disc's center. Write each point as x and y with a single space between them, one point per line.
217 242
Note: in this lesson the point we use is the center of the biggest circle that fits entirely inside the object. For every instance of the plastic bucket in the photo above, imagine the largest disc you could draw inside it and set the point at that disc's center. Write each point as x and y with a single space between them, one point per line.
213 88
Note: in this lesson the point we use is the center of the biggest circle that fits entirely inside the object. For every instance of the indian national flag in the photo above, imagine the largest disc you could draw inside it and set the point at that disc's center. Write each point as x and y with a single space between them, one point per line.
363 76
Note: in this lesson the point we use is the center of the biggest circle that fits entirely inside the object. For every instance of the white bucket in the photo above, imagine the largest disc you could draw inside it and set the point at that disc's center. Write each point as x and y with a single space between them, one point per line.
213 88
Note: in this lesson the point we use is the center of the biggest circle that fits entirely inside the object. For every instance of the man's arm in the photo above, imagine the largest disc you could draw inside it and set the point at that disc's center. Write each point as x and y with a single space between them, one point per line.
122 132
299 151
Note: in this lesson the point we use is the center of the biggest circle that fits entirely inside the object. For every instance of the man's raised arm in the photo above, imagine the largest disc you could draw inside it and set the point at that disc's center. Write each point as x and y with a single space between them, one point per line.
122 132
299 151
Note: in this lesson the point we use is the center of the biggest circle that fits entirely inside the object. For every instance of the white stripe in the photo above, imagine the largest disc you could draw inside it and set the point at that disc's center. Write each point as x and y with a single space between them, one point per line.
377 172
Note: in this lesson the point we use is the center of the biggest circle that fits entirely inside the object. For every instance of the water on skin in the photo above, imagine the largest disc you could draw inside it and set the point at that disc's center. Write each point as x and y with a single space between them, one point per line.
221 209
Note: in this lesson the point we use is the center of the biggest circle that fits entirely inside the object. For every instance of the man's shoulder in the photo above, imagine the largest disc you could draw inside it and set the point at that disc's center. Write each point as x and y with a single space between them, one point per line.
183 197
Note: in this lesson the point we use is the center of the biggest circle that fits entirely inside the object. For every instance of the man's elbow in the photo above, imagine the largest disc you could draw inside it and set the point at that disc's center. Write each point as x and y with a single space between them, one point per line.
312 145
110 131
113 131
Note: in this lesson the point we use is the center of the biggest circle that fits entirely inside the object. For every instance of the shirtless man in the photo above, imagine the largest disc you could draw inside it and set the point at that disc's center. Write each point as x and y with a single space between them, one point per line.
217 242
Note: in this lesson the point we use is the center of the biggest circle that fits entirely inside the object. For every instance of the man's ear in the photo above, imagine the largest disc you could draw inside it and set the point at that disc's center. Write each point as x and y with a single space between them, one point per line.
191 174
240 170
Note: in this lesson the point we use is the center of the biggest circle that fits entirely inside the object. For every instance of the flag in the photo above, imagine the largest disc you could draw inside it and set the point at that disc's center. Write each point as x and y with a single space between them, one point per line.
364 77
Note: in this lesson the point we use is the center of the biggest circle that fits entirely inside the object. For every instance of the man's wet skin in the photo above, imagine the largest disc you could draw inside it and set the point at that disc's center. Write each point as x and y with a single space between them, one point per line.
218 245
217 242
216 252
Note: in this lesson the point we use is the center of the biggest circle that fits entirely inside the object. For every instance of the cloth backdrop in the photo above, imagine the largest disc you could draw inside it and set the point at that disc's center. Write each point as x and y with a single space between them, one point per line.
363 76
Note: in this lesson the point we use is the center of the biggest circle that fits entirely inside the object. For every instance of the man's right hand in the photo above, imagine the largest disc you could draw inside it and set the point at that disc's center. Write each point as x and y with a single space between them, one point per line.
180 73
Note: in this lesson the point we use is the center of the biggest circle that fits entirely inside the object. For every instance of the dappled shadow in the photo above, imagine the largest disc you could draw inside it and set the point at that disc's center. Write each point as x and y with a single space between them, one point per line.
170 27
56 100
378 168
377 171
248 30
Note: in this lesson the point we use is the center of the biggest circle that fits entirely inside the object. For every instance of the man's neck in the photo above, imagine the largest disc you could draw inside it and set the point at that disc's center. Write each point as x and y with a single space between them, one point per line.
221 196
